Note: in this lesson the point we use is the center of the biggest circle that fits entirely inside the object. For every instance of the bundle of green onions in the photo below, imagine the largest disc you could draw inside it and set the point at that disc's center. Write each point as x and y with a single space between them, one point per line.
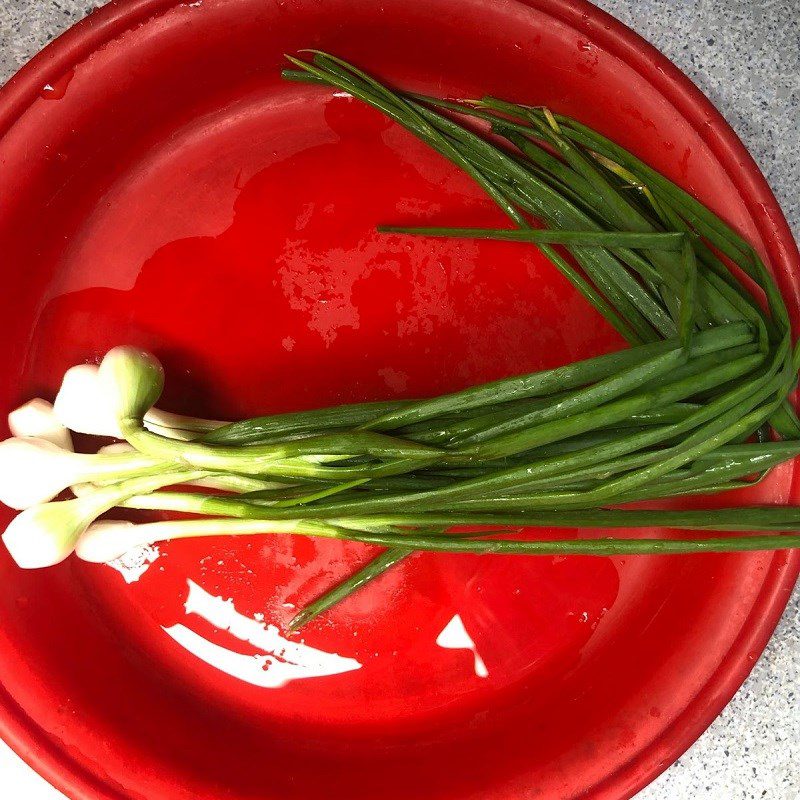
698 404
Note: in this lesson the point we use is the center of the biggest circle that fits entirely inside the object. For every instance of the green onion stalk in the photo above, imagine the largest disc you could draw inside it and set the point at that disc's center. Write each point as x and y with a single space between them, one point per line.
667 240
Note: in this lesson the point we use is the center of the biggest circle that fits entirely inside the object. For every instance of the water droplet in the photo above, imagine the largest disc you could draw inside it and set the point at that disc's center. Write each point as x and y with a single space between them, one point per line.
56 89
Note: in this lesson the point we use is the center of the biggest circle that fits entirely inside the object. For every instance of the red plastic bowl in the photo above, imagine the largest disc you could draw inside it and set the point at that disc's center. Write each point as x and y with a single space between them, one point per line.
163 186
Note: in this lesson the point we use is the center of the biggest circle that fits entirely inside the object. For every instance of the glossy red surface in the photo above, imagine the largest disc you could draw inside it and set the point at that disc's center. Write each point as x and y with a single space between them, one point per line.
170 191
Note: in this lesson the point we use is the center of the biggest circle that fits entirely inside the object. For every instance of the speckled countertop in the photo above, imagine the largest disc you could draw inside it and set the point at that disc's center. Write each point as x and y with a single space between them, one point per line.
745 55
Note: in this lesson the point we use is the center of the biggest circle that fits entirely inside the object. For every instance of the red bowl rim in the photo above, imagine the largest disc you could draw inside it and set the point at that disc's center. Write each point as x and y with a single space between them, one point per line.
33 744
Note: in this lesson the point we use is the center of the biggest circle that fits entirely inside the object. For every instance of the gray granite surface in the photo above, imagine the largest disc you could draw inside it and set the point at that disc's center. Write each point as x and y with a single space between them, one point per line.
745 55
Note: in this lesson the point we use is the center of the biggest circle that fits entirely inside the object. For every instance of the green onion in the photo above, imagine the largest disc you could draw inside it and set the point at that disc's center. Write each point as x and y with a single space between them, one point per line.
694 405
374 569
